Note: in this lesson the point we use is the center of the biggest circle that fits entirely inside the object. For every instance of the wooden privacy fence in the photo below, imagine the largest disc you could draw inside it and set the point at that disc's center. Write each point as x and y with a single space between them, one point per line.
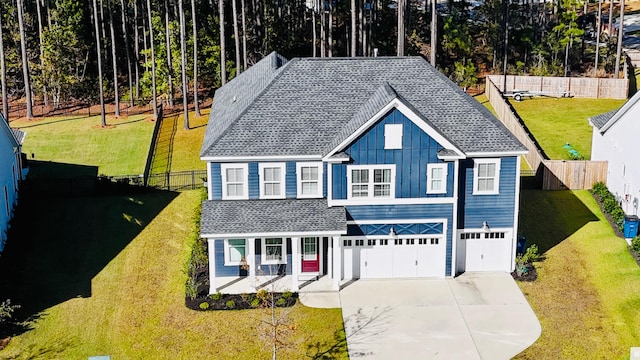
594 88
554 174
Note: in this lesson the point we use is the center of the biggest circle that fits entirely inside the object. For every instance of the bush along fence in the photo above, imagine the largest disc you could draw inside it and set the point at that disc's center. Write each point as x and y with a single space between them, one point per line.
609 205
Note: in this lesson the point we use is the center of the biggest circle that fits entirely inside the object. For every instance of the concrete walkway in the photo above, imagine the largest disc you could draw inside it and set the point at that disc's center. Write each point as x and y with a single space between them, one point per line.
473 316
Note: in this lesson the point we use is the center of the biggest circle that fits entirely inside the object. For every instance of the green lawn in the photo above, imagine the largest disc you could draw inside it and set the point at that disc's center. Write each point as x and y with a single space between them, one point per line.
121 150
586 296
187 143
109 279
555 122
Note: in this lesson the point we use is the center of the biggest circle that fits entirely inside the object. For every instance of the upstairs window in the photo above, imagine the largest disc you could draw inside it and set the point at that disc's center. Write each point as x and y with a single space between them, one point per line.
309 177
371 181
436 178
486 176
272 181
235 181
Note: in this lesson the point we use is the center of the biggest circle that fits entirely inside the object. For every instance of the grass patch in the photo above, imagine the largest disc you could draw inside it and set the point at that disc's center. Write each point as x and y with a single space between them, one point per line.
121 150
109 279
555 122
586 294
187 143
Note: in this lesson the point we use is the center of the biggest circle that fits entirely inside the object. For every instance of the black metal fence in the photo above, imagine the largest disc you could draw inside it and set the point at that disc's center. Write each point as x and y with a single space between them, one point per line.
529 179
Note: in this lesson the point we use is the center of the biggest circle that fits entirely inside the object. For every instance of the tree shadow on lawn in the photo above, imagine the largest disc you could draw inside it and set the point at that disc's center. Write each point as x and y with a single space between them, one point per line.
549 217
58 244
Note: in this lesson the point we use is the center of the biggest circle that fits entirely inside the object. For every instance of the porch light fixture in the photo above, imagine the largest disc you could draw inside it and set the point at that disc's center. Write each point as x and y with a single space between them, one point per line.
392 232
485 226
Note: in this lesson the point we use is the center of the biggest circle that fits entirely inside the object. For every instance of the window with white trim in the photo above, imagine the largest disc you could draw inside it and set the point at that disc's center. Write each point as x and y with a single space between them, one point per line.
235 251
486 176
309 177
272 180
392 136
436 178
274 251
371 181
235 181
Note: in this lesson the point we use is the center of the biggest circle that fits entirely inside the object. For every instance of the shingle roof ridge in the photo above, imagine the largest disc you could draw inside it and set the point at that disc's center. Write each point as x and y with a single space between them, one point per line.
601 119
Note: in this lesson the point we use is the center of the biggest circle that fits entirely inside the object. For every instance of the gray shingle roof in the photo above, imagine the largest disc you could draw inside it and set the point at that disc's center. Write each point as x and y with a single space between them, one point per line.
599 120
311 104
19 135
271 216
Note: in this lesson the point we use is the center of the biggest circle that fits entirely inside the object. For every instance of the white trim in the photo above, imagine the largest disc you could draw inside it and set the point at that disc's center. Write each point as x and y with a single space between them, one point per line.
480 230
296 265
299 167
209 182
454 226
211 246
232 159
408 236
227 255
393 136
516 211
283 251
396 201
451 157
496 183
337 262
444 167
282 182
251 259
371 184
329 183
396 221
406 111
245 187
279 234
497 154
336 161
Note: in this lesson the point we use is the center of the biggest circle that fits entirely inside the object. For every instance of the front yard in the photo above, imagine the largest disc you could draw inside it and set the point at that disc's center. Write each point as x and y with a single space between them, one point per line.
586 295
109 279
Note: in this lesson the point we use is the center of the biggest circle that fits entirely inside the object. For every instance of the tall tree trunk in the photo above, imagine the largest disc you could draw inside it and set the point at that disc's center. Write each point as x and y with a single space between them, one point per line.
361 26
45 97
599 21
330 47
323 30
167 37
223 59
244 35
610 20
315 36
616 74
25 61
114 59
353 29
103 120
236 35
194 21
183 66
3 78
136 46
401 11
153 63
126 45
434 33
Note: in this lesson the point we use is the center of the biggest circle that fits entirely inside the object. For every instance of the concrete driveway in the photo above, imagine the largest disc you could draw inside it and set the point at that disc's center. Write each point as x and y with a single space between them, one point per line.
473 316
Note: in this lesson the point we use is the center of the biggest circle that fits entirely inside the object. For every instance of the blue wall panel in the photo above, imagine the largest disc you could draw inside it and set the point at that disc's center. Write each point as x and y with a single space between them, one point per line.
222 270
291 180
496 210
254 181
339 181
324 180
280 269
216 181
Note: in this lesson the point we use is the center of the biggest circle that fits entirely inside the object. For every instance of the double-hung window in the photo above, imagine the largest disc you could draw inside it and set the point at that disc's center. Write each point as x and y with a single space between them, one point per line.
309 177
274 251
234 251
272 180
486 176
371 181
436 178
235 181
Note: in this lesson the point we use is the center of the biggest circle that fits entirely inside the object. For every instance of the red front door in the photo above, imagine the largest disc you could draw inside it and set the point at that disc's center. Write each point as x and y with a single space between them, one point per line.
310 258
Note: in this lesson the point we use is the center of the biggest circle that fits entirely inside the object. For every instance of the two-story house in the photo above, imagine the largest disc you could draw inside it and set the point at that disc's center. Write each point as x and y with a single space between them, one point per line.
356 168
10 174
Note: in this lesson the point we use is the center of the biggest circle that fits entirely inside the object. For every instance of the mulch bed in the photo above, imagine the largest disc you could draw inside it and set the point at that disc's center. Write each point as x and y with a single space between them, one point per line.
530 275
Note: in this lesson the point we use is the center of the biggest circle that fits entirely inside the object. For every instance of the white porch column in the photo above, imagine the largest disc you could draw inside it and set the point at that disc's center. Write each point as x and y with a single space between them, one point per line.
211 244
330 259
251 262
337 263
295 263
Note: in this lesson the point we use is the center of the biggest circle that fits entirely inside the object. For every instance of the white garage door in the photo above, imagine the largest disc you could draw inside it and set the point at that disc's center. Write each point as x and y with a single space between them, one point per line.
487 251
395 258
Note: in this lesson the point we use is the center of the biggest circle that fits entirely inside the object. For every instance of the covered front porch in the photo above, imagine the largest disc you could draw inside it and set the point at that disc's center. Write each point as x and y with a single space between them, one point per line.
246 284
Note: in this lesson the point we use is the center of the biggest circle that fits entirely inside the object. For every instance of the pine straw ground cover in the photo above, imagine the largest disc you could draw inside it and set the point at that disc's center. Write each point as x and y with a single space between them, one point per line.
131 304
586 295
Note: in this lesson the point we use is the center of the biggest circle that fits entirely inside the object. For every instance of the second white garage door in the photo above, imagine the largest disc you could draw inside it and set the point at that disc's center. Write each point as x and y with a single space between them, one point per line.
395 258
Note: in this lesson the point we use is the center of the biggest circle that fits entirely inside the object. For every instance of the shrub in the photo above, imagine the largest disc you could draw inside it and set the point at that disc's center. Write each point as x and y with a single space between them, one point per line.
618 216
204 305
6 311
281 302
287 294
231 304
217 296
635 244
191 289
531 255
599 188
255 303
263 295
609 204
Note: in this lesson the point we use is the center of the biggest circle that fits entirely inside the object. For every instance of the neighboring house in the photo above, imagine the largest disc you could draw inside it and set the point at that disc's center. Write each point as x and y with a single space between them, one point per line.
10 174
615 140
356 168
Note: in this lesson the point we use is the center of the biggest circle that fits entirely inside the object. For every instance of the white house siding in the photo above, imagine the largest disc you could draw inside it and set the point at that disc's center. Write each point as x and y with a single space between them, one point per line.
620 146
9 175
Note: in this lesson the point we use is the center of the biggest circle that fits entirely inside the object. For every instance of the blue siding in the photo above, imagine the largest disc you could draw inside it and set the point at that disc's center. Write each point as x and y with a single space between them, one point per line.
496 210
324 180
418 149
222 270
387 213
254 181
216 181
235 270
291 180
